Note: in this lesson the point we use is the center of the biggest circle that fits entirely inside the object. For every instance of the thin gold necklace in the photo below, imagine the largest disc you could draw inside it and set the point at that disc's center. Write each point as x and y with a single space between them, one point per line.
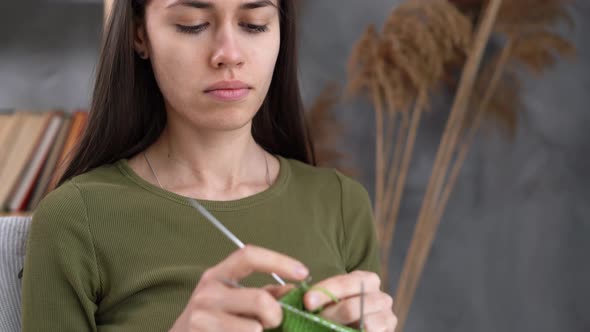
147 160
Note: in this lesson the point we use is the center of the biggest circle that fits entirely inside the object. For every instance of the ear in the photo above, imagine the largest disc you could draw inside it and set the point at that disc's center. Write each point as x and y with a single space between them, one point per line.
140 41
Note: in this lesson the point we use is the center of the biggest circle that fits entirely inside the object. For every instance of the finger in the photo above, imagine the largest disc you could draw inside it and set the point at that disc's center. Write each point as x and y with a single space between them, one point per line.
220 321
341 286
254 303
249 259
383 321
278 291
348 311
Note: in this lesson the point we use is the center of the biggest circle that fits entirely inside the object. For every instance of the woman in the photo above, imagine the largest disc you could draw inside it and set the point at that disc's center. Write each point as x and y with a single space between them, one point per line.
198 99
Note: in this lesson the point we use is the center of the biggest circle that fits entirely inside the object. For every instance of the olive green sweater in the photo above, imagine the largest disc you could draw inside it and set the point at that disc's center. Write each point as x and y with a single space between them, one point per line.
109 251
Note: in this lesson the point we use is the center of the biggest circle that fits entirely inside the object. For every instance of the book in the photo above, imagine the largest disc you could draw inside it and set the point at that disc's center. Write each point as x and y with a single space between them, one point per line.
25 141
5 124
50 163
23 191
4 119
79 119
7 136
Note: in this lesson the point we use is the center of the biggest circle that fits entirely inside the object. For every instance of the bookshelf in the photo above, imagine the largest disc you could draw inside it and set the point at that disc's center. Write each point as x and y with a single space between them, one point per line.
107 6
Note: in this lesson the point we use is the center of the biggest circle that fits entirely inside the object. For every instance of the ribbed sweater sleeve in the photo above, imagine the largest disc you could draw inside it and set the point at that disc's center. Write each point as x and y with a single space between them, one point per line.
361 250
61 287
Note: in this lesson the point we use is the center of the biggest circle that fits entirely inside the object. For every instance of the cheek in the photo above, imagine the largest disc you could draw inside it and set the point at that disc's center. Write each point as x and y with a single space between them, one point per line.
176 64
265 60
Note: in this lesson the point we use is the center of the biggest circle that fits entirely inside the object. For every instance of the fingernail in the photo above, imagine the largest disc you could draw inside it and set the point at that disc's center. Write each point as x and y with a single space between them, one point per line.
313 301
301 271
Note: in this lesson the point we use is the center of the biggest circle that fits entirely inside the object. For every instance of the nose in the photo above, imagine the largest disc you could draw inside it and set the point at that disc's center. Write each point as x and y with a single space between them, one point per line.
226 51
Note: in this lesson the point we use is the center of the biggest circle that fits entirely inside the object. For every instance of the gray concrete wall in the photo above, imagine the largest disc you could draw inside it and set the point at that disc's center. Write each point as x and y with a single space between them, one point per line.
48 52
511 253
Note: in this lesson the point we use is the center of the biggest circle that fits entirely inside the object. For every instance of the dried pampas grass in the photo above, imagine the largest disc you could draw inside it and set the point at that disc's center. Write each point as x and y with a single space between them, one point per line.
397 69
325 131
421 47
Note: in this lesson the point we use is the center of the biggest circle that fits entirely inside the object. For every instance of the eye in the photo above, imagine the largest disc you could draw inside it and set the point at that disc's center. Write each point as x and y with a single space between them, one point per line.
191 28
253 28
194 29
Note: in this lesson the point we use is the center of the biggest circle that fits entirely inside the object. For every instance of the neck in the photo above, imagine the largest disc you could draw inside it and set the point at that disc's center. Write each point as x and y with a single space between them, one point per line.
220 164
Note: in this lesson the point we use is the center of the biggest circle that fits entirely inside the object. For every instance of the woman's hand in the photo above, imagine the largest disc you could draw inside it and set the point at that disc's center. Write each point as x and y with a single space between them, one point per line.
215 306
378 313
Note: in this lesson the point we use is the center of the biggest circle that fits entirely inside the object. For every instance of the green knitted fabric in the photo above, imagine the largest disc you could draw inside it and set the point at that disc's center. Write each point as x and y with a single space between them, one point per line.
297 319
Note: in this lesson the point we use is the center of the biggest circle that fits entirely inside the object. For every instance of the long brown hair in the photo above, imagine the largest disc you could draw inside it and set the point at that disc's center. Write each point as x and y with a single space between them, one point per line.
127 113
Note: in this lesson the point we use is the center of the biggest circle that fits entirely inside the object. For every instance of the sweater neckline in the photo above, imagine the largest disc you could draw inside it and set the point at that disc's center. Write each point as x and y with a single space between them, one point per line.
232 205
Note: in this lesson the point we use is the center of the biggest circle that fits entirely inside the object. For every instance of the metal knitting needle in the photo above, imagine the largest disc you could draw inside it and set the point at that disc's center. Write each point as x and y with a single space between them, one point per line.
225 231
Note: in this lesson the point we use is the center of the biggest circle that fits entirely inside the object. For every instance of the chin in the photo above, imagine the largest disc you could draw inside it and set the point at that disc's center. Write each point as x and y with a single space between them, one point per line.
226 120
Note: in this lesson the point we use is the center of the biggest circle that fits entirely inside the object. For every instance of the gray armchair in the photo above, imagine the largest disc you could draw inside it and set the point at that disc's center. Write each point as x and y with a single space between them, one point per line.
13 237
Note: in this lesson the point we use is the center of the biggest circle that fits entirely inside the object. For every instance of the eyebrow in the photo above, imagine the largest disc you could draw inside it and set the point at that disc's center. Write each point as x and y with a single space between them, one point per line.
209 5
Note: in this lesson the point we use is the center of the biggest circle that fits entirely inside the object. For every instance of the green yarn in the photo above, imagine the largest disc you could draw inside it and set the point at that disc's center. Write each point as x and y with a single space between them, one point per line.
297 319
325 291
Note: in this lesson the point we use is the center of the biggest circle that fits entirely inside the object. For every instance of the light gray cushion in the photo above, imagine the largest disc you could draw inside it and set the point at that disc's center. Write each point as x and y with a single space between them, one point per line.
13 238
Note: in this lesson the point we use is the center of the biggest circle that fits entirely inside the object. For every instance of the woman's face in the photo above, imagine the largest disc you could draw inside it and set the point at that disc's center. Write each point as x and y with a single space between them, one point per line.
195 45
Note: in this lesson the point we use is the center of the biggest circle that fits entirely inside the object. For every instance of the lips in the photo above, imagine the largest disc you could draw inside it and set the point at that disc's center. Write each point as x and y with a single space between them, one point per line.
228 91
228 85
